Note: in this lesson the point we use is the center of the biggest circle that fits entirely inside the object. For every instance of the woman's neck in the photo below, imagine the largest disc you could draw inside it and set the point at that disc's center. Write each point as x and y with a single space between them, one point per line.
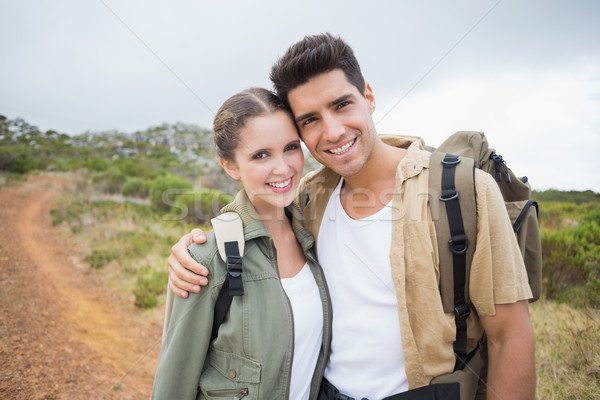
274 219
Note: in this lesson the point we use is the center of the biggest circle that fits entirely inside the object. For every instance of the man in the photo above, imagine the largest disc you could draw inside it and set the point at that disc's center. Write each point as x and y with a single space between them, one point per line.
376 244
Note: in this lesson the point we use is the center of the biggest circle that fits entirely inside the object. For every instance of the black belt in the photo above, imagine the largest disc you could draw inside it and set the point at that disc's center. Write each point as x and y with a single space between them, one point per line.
438 391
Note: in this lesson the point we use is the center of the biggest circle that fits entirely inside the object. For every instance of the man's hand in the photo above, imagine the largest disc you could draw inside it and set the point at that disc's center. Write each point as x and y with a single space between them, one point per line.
185 274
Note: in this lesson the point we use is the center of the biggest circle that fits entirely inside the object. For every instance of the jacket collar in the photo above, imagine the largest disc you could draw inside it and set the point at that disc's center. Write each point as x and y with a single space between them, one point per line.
416 157
254 227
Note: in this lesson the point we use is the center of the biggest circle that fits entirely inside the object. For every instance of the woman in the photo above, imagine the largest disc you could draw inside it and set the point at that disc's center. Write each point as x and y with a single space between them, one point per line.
275 340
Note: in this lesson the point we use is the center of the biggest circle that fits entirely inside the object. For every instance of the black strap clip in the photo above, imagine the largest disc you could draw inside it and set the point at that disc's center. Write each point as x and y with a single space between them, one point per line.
458 244
462 312
448 195
451 159
235 266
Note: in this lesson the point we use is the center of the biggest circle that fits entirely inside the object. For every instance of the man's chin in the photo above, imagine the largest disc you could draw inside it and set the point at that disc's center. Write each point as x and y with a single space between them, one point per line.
346 171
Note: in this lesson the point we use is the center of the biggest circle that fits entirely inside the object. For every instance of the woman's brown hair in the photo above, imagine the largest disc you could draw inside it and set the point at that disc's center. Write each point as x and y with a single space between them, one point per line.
237 111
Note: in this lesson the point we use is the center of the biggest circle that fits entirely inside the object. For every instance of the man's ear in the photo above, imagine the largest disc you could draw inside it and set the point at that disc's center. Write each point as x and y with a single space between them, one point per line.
230 168
370 97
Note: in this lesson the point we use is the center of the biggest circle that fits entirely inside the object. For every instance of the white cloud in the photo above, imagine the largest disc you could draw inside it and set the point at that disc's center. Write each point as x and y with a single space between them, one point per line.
545 122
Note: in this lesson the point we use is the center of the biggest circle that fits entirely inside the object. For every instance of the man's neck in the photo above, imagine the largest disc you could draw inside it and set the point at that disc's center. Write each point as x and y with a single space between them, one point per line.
371 189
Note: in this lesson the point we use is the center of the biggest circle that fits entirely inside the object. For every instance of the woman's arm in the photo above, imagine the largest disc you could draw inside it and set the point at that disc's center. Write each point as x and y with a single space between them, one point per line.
184 347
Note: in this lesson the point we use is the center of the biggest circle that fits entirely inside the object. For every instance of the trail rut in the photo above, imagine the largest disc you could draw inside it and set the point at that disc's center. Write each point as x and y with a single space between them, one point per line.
63 335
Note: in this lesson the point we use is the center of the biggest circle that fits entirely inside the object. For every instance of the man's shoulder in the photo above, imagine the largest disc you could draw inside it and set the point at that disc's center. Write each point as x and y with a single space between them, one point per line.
486 187
207 254
318 179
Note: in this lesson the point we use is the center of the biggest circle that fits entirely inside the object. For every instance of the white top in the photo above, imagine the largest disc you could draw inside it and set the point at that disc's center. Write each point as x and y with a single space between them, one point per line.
366 357
303 294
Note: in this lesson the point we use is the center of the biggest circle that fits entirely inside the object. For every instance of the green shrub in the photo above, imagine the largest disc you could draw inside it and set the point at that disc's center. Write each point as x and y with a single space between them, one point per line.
99 258
164 191
19 162
96 164
7 159
571 262
198 206
149 286
131 167
558 215
136 187
109 181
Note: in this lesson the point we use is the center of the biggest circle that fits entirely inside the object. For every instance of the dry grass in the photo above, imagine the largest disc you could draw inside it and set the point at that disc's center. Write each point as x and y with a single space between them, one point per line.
127 244
567 351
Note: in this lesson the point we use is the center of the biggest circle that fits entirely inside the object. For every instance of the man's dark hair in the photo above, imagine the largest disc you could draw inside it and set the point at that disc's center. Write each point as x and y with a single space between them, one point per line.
312 56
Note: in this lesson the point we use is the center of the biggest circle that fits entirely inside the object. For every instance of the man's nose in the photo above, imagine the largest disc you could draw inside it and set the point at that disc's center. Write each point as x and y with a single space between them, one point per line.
333 130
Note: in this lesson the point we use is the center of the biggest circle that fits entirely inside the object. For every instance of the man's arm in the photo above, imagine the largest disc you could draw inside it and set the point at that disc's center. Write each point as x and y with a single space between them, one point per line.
185 274
511 355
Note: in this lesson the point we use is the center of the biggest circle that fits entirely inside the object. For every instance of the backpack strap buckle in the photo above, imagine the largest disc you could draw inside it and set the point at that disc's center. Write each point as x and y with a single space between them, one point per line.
462 312
448 195
451 159
235 266
458 244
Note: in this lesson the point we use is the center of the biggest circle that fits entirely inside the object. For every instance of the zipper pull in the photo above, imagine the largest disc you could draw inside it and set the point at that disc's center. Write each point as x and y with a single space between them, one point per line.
508 180
497 161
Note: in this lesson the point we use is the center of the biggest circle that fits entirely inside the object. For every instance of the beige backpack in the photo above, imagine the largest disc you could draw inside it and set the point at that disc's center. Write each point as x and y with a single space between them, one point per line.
451 180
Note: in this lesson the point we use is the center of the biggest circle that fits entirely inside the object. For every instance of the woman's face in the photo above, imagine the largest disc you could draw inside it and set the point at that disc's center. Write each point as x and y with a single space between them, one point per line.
268 161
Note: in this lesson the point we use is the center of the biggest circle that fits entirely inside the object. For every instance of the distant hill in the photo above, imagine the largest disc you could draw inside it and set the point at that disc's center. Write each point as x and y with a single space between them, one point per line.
179 148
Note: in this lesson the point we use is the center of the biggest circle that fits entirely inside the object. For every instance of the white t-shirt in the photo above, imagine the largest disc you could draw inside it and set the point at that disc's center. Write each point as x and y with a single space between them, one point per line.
366 358
303 293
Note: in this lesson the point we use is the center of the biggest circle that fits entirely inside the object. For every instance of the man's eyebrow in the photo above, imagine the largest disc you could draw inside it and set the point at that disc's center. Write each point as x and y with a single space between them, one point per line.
304 116
332 103
341 99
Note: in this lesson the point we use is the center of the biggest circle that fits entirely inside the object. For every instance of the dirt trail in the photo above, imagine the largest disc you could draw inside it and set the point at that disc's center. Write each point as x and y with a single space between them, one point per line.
63 335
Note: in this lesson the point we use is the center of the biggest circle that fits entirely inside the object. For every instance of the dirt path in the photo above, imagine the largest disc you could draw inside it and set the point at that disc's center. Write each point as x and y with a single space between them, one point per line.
63 335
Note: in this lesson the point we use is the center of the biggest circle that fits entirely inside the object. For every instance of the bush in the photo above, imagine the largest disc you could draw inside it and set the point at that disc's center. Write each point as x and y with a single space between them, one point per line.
109 181
96 164
132 167
164 191
150 285
7 159
20 163
136 187
198 206
571 262
99 258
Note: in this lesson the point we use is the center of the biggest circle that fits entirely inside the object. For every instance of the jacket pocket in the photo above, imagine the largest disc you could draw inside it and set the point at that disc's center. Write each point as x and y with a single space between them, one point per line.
235 394
230 376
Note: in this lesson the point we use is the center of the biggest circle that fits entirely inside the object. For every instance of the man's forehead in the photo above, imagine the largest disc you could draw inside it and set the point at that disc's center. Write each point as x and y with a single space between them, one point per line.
322 88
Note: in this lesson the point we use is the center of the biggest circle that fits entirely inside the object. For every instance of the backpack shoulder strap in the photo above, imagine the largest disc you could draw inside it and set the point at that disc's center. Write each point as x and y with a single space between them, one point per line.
229 234
453 207
228 227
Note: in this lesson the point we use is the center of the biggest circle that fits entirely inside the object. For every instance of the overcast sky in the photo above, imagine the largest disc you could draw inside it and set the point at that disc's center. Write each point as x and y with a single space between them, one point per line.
525 72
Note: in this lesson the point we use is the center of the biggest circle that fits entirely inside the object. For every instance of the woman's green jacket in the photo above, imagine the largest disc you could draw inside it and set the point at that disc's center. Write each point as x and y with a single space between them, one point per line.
252 356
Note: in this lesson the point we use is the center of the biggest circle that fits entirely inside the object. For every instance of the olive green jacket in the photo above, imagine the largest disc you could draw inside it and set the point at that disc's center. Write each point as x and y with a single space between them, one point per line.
252 356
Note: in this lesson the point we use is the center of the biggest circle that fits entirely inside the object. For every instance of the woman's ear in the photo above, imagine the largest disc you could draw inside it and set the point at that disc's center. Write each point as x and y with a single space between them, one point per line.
230 168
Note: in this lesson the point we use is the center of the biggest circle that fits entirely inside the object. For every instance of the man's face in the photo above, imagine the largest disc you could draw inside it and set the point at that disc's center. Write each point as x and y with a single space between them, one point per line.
335 121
